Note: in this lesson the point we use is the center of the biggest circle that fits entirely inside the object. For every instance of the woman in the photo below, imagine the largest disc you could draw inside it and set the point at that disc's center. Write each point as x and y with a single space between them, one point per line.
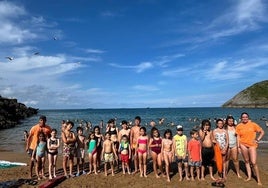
232 152
246 134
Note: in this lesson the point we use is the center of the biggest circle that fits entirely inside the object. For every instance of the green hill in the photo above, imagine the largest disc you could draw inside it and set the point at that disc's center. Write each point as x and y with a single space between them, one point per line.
255 96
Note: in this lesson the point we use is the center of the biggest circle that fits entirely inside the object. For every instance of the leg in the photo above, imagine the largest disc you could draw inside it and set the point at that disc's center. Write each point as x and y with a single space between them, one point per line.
198 172
167 162
64 165
210 168
50 165
37 167
245 154
144 156
192 172
105 168
71 163
154 157
180 170
43 161
234 156
95 163
77 166
54 164
202 172
253 160
112 167
90 163
160 163
186 171
140 164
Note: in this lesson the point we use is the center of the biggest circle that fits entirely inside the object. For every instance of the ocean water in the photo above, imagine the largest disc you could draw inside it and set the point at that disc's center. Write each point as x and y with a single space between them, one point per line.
11 139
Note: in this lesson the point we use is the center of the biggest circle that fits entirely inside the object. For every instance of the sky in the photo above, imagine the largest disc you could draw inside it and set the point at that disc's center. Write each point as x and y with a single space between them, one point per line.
131 54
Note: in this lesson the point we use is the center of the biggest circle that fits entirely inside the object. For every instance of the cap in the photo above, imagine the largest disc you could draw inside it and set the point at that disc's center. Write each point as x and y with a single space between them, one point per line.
179 128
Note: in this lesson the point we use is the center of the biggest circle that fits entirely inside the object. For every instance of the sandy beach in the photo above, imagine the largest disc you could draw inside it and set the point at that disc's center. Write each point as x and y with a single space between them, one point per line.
120 180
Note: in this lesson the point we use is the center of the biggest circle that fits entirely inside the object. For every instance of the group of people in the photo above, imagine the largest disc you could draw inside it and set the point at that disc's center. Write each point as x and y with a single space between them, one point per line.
134 144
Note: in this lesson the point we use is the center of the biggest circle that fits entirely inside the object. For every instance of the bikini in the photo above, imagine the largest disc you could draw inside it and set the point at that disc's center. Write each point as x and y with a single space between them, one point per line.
142 141
156 149
53 142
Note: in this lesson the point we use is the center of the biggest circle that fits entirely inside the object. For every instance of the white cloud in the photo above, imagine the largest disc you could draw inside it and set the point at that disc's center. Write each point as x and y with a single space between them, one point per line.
145 88
94 51
137 68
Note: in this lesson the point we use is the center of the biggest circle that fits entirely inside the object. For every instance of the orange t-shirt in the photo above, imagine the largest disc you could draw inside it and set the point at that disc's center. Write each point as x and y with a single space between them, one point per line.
194 148
34 134
247 133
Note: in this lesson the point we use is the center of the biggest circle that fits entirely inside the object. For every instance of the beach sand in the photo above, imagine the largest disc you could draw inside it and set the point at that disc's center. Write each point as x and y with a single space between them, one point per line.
120 180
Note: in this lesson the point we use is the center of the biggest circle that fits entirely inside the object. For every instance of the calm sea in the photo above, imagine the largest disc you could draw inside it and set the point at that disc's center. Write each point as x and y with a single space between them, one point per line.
11 139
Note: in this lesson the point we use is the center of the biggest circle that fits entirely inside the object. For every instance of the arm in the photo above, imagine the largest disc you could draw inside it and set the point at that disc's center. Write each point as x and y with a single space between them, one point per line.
63 137
174 146
189 151
261 134
113 148
185 147
102 151
119 136
202 134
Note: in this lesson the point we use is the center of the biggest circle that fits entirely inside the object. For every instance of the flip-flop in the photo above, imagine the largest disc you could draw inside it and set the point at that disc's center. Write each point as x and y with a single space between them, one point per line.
217 184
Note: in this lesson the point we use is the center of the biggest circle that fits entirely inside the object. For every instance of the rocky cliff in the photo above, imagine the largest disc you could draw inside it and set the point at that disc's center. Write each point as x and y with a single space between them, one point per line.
11 112
255 96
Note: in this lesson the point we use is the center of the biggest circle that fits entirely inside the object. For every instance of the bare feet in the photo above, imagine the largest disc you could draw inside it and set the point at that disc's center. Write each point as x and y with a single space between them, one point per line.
145 175
157 176
180 179
203 179
168 180
141 175
259 183
248 179
212 178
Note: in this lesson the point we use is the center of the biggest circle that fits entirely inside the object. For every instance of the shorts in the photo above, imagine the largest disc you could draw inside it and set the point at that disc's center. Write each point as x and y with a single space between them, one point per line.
68 151
207 156
195 163
185 160
80 153
108 157
124 158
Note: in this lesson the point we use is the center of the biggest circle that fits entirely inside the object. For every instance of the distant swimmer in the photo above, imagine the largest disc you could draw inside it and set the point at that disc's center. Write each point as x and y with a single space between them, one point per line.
161 121
266 122
152 123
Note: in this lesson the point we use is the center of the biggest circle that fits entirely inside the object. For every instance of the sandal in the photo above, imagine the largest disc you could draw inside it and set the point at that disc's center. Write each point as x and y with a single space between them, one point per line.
217 184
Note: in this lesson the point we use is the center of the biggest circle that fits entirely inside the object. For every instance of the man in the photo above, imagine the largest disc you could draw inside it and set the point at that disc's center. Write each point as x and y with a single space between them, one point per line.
33 138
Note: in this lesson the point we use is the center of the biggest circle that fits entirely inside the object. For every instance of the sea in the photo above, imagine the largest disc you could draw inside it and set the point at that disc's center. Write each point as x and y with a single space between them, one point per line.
12 139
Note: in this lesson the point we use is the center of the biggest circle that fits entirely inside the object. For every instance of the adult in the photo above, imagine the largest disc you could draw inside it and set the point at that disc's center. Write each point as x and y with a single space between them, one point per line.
246 134
33 138
232 152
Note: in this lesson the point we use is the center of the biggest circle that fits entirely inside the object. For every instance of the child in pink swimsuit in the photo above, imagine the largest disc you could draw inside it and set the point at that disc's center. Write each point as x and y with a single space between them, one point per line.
142 151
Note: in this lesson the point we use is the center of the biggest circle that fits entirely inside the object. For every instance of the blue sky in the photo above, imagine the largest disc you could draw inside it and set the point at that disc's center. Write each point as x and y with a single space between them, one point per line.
128 54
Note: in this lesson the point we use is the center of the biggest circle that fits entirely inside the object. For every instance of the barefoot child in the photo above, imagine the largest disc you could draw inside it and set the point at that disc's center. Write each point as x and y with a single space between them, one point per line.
125 151
156 144
167 151
180 148
40 153
100 139
108 153
69 140
92 153
53 143
194 152
207 150
80 150
142 150
221 138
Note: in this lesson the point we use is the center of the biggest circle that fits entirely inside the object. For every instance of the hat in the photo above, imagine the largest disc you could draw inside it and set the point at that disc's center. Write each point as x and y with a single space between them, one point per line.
179 128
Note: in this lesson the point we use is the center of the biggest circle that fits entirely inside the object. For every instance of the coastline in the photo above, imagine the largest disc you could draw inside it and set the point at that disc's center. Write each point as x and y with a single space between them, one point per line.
120 180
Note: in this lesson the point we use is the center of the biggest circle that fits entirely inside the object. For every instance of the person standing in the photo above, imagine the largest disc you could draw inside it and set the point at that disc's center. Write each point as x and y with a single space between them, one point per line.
33 138
246 135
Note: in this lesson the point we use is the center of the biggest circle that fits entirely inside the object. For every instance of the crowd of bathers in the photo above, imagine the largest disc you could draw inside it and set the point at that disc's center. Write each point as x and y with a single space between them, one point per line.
127 149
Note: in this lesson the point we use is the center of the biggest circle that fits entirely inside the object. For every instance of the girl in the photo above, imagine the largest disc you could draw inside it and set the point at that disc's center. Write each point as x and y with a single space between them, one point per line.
155 144
125 151
39 153
142 151
220 137
167 151
92 153
53 143
232 152
100 139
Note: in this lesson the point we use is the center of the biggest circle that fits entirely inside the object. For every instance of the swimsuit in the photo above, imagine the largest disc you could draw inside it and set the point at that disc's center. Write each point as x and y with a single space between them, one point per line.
232 139
221 139
124 158
108 157
41 148
112 131
53 151
92 147
156 149
142 141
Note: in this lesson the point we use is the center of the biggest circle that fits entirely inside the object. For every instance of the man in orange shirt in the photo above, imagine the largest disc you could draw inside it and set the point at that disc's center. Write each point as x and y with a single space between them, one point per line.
247 142
33 138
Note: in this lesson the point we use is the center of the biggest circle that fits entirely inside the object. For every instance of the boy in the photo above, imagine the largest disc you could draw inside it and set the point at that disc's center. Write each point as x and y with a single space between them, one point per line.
194 154
80 150
125 151
108 153
207 150
134 135
68 139
180 148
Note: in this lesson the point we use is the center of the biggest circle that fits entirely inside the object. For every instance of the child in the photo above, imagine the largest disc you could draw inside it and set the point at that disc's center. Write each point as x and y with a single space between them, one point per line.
180 147
113 131
125 151
80 150
156 144
53 143
92 153
69 140
207 150
167 151
39 153
222 139
142 151
232 152
194 151
108 153
100 139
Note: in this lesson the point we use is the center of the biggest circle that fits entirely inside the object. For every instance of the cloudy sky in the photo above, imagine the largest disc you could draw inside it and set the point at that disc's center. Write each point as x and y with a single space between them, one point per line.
127 54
